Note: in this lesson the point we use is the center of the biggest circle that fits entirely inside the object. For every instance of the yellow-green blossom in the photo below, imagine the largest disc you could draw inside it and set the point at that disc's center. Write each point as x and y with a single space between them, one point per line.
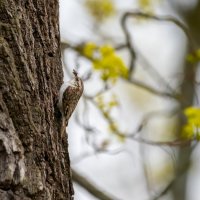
192 128
89 49
110 65
100 9
106 61
147 5
194 57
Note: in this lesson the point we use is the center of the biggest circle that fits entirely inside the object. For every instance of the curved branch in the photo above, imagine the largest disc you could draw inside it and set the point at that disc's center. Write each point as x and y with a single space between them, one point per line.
152 90
164 191
175 21
162 143
90 187
128 44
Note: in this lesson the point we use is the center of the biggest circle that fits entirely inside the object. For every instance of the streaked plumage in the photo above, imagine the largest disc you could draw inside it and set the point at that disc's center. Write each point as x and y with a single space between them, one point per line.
68 99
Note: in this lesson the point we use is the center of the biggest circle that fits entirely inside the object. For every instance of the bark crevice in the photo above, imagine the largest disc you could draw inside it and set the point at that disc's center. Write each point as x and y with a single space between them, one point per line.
34 161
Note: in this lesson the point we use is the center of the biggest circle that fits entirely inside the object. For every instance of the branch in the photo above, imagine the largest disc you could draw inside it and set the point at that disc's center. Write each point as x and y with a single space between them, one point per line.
152 90
148 67
164 191
129 45
143 123
162 18
172 182
133 52
163 143
99 150
133 81
90 187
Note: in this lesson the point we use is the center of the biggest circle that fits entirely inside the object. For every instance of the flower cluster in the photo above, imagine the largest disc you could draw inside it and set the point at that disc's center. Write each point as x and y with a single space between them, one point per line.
106 108
106 61
192 128
194 57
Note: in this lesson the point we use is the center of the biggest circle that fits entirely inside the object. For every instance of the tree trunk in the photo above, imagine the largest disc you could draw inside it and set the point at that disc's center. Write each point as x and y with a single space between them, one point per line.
34 161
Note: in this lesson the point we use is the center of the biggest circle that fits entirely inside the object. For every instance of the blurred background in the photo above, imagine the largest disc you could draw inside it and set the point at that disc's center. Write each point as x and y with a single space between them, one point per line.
135 132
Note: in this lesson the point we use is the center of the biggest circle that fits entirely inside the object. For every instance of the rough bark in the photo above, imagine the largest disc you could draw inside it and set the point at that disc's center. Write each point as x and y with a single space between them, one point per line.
34 161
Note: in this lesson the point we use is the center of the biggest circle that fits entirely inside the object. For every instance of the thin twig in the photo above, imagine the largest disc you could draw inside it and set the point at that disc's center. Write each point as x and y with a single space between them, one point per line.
171 19
164 191
129 45
162 143
152 90
90 187
98 150
148 67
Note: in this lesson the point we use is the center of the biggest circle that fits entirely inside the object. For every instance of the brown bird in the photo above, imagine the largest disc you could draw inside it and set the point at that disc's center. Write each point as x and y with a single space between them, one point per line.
70 93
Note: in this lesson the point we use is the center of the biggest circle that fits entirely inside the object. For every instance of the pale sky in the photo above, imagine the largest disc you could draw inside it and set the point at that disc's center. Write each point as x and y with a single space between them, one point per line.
161 44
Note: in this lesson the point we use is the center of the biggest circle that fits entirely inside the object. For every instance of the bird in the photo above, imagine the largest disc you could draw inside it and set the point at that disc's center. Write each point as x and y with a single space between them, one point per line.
69 95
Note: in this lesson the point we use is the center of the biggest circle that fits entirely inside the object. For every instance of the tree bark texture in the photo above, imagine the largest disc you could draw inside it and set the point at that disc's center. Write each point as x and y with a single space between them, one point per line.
34 161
